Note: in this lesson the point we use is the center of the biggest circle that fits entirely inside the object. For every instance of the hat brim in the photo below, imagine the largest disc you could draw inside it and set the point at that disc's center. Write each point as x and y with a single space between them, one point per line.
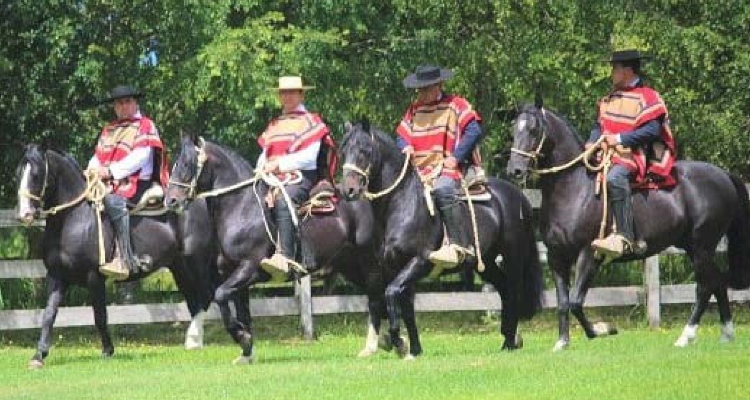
278 89
113 98
611 60
411 81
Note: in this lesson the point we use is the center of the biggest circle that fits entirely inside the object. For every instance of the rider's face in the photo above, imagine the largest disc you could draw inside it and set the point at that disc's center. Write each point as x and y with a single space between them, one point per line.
621 75
126 107
291 99
430 93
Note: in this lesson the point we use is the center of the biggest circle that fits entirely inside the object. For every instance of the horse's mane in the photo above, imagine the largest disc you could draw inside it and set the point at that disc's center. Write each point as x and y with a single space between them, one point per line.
532 109
381 136
231 154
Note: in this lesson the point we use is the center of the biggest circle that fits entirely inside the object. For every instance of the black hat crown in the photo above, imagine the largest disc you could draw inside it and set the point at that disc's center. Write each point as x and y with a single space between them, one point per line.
121 92
426 75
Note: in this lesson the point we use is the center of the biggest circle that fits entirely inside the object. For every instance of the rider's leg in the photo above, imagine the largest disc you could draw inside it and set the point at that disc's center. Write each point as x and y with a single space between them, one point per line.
116 208
618 184
452 214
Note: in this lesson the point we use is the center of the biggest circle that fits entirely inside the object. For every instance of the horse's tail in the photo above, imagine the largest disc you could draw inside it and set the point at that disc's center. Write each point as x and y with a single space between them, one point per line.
738 236
532 292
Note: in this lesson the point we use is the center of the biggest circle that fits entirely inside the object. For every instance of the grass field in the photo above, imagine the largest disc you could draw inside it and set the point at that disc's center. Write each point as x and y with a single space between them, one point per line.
461 361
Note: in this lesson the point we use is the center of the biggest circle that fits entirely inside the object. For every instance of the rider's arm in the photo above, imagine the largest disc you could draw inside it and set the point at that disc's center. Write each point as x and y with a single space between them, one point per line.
94 163
471 136
303 160
644 134
132 163
400 142
596 132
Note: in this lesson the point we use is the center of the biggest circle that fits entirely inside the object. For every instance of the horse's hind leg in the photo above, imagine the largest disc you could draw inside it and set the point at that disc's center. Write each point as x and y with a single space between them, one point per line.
241 300
561 275
99 303
690 332
55 293
725 315
509 313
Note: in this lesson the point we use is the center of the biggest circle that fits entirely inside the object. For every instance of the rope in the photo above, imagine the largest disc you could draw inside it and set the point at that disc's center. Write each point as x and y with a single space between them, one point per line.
220 191
474 229
584 156
371 196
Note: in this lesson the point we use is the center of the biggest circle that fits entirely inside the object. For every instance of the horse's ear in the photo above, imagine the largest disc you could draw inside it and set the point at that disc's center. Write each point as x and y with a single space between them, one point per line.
348 127
366 124
538 102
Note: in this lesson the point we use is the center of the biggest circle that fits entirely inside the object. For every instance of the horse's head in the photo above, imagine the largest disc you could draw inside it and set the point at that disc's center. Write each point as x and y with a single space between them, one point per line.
529 139
183 183
32 175
359 151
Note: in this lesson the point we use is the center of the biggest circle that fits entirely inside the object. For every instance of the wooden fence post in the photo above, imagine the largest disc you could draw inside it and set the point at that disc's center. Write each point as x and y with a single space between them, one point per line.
652 284
303 292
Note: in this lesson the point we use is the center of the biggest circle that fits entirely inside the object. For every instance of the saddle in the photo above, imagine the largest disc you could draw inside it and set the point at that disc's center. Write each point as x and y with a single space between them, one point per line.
151 202
476 181
322 200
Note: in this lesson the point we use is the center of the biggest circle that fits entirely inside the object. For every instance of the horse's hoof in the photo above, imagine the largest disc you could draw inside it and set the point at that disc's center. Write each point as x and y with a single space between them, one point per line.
384 342
560 345
410 357
243 360
192 343
688 336
366 352
604 329
403 350
36 364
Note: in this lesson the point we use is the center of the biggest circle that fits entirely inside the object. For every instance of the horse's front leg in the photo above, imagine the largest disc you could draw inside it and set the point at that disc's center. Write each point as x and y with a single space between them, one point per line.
56 289
690 332
415 269
376 313
586 267
241 278
97 294
561 274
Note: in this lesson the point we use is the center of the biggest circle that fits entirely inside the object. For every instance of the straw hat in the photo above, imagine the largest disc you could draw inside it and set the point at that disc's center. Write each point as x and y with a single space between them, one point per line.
292 83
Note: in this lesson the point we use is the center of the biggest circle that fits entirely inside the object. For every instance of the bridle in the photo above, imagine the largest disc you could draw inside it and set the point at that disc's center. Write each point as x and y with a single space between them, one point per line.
365 173
201 161
39 198
536 154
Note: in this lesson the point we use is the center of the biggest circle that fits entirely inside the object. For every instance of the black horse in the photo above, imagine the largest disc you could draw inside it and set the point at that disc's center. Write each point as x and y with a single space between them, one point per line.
243 223
506 235
48 178
706 204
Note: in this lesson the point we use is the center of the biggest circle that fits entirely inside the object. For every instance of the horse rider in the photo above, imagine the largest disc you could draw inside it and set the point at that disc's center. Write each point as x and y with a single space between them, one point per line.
128 157
633 118
440 132
292 145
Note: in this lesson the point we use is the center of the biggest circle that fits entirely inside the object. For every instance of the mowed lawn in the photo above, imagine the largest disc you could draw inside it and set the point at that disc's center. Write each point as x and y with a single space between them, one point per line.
461 361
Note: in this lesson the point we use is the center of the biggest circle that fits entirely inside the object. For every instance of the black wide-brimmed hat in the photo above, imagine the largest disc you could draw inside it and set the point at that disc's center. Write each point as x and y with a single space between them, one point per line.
121 92
426 75
626 56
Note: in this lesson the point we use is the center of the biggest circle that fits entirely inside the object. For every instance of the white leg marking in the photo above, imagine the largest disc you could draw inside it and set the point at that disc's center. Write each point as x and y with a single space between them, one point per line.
689 335
194 336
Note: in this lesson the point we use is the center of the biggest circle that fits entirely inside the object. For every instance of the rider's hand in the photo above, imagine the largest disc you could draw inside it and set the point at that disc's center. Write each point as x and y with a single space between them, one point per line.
587 145
271 167
408 150
611 140
450 163
103 172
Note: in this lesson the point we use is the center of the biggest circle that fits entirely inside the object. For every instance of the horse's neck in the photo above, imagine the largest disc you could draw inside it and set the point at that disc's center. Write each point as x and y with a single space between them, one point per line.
69 182
401 199
227 171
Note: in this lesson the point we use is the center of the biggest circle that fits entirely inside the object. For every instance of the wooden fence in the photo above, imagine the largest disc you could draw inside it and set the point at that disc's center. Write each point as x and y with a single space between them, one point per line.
651 295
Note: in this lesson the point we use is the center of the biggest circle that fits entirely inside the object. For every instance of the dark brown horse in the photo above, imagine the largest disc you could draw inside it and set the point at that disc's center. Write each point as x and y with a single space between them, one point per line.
47 179
706 204
245 228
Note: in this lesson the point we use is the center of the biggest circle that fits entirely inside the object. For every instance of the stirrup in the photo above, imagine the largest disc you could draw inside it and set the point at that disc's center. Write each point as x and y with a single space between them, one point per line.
613 246
277 266
115 269
448 256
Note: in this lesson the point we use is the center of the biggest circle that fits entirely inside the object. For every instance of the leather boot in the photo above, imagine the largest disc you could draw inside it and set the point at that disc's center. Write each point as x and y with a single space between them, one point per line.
451 255
124 259
278 264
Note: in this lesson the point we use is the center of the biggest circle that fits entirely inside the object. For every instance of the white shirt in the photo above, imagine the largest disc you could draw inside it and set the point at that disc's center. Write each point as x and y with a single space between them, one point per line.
140 159
303 160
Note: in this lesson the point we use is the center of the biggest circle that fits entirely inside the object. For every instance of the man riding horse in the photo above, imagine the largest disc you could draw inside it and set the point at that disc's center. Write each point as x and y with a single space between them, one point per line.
440 132
292 146
128 157
633 119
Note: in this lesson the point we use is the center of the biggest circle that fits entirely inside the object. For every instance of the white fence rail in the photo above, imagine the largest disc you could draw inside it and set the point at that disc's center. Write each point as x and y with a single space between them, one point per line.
652 295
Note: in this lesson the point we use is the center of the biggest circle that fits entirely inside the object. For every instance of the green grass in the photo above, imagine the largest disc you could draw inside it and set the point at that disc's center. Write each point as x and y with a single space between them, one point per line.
461 361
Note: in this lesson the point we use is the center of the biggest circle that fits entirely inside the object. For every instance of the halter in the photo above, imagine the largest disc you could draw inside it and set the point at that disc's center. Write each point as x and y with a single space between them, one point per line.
535 154
365 173
40 198
191 187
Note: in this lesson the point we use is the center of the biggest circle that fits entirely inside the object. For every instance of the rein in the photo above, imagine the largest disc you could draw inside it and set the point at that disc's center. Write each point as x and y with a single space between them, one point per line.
602 168
366 174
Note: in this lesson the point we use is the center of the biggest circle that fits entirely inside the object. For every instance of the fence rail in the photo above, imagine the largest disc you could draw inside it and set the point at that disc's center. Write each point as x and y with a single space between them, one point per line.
652 295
